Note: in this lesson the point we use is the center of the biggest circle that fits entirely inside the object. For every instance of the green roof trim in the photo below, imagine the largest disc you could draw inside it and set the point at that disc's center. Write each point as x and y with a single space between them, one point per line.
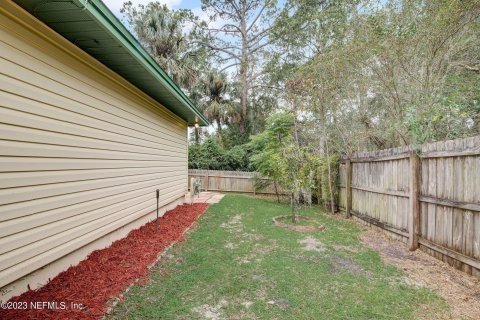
90 25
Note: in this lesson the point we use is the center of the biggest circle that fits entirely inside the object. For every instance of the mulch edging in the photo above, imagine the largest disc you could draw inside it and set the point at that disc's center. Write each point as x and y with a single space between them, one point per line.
105 273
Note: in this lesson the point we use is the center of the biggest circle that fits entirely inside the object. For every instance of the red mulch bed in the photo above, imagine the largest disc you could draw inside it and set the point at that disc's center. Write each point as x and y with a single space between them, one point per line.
107 272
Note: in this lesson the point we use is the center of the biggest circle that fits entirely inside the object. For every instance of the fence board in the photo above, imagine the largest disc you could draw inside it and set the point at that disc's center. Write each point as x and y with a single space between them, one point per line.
449 193
229 181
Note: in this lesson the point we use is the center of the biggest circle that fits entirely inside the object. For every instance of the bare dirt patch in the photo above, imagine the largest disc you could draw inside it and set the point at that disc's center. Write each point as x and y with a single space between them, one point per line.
282 303
340 264
338 247
232 223
235 226
230 245
235 220
460 290
308 258
280 222
257 253
343 264
257 277
312 244
211 312
251 236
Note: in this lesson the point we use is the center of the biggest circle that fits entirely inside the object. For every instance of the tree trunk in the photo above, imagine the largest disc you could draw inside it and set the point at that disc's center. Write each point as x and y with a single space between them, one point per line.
294 209
276 190
319 191
295 127
244 74
329 166
219 131
197 135
243 115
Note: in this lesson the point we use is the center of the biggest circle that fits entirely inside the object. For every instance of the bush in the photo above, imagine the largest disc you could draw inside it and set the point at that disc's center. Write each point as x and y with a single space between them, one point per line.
210 155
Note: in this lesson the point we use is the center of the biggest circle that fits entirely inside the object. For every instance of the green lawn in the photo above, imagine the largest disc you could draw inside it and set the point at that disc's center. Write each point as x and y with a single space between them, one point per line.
237 265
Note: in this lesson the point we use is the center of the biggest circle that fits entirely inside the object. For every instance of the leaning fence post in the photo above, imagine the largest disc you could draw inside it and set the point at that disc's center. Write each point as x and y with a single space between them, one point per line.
414 202
348 188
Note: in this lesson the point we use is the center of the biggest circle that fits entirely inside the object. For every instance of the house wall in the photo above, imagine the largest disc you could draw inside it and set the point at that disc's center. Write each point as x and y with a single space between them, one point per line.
82 151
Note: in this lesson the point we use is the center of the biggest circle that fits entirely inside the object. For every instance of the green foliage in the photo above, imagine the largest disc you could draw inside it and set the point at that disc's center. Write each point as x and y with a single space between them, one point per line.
239 41
211 155
279 156
208 155
211 96
355 75
267 146
379 75
163 33
233 137
260 183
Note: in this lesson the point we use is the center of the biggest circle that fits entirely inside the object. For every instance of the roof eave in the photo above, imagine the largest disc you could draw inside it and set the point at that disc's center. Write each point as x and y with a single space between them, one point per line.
101 13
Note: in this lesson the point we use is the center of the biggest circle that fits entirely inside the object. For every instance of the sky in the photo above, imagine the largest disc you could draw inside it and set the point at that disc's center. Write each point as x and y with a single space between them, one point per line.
116 5
194 5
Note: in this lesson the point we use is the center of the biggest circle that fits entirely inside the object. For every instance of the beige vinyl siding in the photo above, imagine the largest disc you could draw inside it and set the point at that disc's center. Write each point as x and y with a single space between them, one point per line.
82 151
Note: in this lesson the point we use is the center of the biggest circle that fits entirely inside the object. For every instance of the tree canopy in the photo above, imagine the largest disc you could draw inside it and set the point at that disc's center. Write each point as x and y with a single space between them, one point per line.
291 86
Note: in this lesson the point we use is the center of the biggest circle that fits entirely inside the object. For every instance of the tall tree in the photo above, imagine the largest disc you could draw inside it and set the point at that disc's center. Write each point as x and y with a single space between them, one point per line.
215 103
382 76
163 32
278 154
238 41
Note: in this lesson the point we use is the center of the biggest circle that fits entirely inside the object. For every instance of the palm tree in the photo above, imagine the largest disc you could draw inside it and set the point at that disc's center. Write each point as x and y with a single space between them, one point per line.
216 105
160 30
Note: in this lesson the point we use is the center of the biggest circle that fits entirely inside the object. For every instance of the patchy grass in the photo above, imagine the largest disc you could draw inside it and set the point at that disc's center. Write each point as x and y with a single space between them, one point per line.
237 265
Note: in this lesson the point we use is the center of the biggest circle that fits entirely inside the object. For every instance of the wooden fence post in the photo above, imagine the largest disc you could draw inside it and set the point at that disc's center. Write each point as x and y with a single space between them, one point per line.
348 190
206 181
414 203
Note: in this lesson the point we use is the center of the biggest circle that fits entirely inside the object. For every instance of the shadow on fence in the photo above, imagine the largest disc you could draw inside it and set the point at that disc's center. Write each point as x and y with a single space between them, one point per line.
428 197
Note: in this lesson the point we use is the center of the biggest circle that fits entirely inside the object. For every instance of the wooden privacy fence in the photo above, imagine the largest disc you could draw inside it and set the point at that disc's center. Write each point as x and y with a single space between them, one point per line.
428 197
230 181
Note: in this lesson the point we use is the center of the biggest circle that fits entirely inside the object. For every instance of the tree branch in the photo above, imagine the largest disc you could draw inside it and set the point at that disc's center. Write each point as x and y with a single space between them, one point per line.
260 34
265 86
223 29
234 6
470 68
256 18
224 50
260 47
229 66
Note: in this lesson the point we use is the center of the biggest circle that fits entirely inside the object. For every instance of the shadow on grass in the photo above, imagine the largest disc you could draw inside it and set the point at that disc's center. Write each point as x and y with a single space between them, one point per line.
237 265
